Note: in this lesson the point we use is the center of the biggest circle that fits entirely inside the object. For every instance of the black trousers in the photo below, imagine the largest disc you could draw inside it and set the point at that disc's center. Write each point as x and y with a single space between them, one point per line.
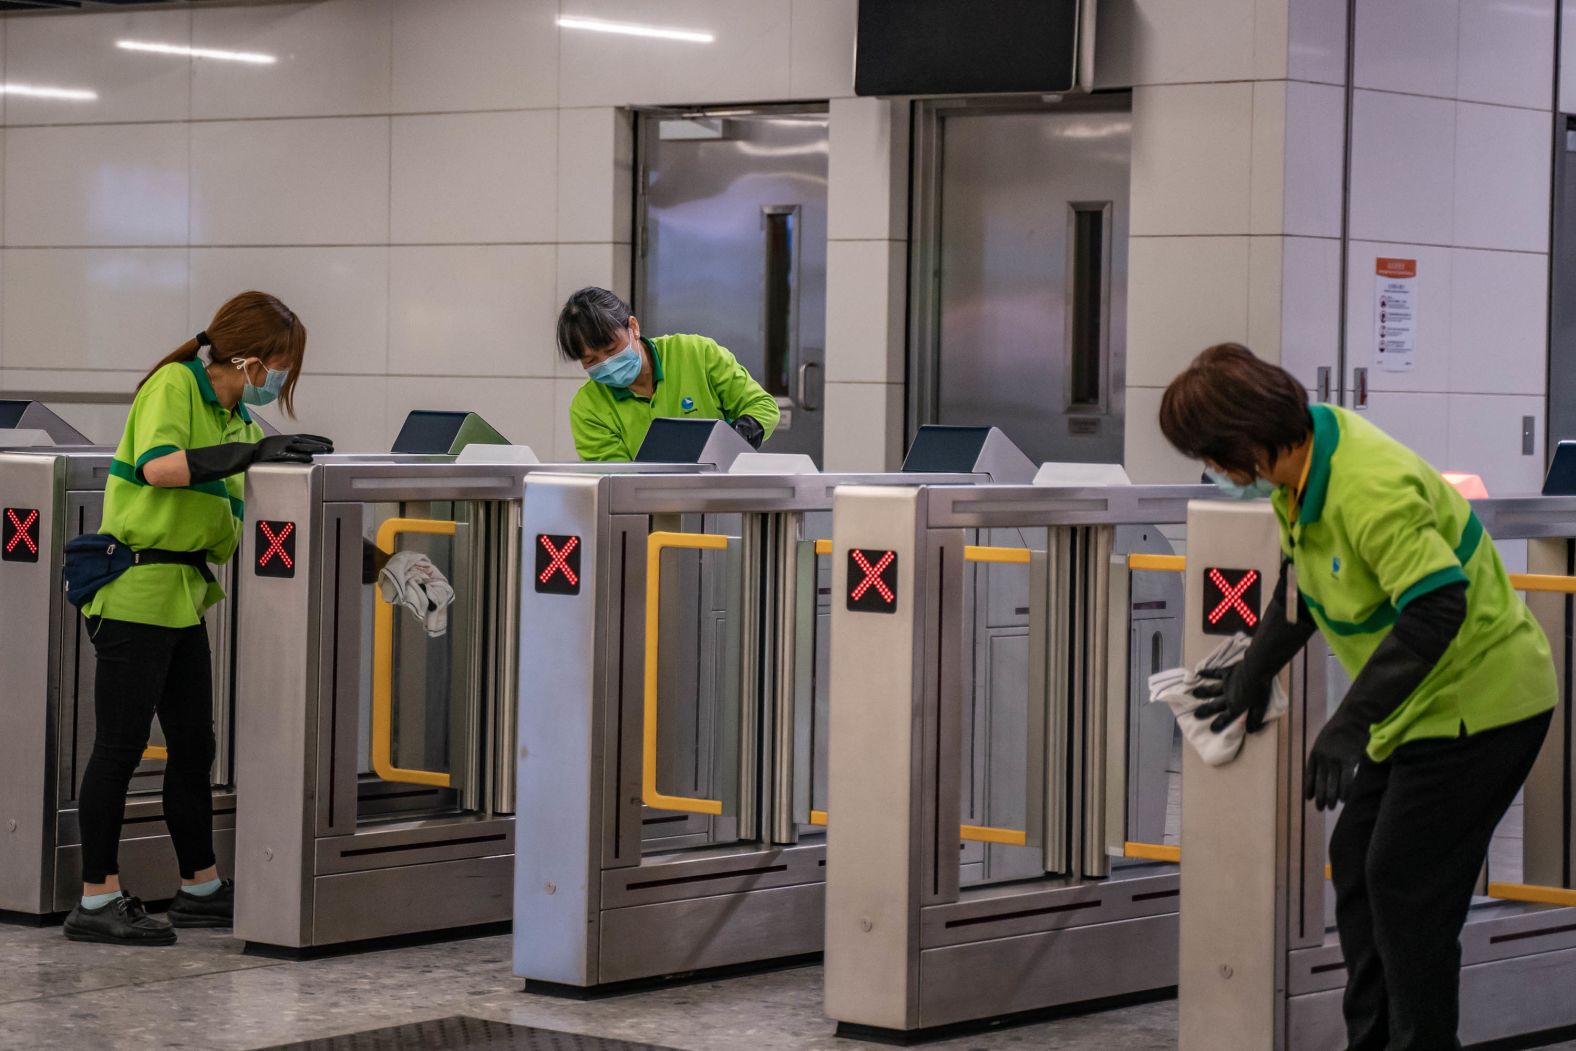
145 670
1405 856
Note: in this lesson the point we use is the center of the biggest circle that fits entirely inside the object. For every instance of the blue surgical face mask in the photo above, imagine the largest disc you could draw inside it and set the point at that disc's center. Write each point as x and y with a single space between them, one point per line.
620 370
1257 490
273 383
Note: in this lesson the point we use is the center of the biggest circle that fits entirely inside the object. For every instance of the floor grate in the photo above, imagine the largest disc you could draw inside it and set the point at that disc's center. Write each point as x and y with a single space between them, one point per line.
463 1032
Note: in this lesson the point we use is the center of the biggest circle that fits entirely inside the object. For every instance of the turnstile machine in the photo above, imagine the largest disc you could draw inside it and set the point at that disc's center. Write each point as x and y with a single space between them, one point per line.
917 937
673 727
48 494
1261 963
382 742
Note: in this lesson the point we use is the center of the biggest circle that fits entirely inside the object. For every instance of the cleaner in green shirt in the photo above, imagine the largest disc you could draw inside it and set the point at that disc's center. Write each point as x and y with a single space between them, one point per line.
634 380
174 498
1452 687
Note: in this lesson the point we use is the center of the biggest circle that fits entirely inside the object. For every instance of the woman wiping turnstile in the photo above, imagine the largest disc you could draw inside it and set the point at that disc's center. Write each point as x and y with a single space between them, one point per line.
173 499
1453 684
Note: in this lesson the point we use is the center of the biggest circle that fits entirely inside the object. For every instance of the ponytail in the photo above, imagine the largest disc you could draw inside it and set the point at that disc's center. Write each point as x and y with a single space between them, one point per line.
185 352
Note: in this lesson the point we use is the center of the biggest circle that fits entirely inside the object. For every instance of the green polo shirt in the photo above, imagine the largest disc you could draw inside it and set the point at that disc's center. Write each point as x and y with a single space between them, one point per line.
695 377
176 409
1377 527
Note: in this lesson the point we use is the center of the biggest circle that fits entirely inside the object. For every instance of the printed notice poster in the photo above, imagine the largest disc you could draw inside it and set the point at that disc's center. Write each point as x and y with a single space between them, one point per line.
1395 315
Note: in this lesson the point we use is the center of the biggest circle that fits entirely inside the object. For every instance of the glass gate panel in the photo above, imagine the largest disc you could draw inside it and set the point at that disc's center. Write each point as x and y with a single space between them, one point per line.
425 661
692 697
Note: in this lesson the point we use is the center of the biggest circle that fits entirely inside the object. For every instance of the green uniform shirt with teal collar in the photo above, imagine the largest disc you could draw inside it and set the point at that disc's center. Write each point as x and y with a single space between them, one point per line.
695 377
176 409
1376 528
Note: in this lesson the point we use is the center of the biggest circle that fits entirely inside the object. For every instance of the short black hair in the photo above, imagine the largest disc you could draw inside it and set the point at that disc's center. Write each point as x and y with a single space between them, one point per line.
591 318
1230 407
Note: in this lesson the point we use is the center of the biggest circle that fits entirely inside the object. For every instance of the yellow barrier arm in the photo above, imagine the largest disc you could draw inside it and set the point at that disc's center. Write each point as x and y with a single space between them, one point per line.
1152 852
1157 563
657 543
383 663
1010 556
155 752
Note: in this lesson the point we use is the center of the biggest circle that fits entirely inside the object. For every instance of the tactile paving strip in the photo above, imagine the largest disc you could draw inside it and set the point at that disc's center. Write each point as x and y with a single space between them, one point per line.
463 1032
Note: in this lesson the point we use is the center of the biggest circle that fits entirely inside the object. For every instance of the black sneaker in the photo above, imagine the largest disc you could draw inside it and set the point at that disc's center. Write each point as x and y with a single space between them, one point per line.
121 922
210 910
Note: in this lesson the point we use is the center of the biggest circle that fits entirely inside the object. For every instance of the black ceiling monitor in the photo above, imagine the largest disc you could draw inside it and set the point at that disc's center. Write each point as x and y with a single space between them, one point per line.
966 47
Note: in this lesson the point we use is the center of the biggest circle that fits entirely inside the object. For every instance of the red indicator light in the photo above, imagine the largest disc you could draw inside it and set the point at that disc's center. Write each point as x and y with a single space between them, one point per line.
1231 600
557 564
275 549
872 581
19 534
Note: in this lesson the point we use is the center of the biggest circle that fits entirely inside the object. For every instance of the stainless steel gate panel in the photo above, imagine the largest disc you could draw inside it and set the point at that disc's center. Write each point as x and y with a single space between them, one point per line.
910 944
368 827
583 723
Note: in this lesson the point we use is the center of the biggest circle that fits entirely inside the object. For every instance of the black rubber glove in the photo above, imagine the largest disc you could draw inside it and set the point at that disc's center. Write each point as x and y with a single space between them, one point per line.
1246 685
1398 667
750 430
214 462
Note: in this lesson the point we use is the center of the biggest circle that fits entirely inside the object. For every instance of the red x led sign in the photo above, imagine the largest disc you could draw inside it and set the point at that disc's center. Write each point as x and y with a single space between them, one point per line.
1231 600
872 581
19 534
276 551
557 564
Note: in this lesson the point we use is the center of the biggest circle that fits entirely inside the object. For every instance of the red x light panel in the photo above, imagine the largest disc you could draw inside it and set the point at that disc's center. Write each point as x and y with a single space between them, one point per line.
557 564
1231 600
872 581
19 534
276 552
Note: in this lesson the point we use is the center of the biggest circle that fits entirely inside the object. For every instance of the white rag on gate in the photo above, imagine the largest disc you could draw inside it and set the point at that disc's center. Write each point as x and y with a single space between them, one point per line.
1175 688
411 580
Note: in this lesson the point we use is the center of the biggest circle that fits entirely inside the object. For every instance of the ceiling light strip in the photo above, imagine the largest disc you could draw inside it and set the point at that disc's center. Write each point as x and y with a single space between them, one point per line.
596 25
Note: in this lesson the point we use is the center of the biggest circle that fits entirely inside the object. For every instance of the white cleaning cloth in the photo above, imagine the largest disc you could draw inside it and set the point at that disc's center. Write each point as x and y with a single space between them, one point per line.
411 580
1175 688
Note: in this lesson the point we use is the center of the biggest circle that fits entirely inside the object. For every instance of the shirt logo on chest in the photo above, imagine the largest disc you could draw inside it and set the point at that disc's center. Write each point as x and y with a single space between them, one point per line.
1335 566
688 404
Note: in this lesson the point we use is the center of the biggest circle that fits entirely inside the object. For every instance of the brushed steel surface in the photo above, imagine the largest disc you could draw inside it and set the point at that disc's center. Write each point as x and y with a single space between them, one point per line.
706 873
382 903
1033 971
719 931
1232 908
871 896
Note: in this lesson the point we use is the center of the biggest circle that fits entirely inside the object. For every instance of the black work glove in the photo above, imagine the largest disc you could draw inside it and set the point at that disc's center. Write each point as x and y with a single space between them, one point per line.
215 462
750 430
1246 686
1397 668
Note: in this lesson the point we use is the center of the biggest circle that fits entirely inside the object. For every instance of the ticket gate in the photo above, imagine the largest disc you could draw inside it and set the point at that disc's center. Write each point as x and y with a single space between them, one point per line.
672 740
50 495
384 741
1261 963
1067 913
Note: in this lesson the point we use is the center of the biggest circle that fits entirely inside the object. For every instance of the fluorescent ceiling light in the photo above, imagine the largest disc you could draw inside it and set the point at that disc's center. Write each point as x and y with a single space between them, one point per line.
254 57
34 91
596 25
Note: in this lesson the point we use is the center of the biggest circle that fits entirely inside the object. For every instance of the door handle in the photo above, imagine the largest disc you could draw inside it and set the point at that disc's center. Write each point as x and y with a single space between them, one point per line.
804 387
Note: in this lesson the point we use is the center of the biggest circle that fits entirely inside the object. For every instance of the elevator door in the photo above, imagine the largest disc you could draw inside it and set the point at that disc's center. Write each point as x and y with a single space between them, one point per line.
732 245
1029 264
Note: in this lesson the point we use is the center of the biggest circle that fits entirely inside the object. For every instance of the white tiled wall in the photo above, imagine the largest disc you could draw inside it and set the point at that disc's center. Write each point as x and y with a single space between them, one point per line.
424 181
1237 171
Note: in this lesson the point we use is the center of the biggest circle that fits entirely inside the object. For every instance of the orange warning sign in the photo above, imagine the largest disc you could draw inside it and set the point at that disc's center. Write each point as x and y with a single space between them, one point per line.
1395 267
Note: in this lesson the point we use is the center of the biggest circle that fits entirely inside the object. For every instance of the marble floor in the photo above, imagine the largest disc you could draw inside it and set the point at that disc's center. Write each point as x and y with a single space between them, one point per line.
205 994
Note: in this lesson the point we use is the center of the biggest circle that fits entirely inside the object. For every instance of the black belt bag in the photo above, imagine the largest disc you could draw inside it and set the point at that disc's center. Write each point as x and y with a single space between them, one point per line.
95 559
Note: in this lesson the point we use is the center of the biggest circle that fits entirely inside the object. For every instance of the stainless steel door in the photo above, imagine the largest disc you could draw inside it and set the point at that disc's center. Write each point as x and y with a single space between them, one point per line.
732 245
1021 273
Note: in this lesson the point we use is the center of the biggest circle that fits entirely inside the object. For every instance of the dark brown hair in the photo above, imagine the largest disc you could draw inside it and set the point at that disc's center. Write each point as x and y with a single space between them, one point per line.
251 325
589 320
1232 409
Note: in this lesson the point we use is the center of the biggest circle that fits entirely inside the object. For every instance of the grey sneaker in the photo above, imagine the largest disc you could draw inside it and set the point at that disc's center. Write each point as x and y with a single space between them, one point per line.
121 922
211 910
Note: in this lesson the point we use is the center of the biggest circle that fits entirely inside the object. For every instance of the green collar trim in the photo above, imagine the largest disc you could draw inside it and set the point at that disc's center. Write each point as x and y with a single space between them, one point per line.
1326 436
624 393
205 386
